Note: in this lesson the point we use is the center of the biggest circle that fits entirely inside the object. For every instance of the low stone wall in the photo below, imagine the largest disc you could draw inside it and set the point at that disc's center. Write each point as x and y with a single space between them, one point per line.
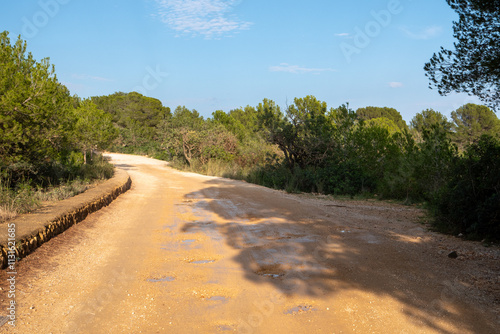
32 230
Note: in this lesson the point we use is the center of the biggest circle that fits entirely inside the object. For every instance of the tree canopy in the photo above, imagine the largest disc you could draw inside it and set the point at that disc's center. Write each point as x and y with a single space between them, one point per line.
93 129
34 118
474 66
471 121
377 112
132 106
428 118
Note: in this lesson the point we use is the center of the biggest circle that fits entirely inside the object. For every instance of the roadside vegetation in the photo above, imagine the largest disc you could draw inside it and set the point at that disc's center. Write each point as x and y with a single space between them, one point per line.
452 166
47 136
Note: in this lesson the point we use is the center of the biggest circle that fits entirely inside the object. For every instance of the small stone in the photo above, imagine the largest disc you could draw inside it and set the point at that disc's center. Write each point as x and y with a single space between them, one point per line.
32 307
453 255
460 235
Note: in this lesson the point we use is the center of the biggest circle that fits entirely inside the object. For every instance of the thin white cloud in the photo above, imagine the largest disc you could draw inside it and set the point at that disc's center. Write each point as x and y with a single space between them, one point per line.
395 84
295 69
423 34
209 18
89 77
343 34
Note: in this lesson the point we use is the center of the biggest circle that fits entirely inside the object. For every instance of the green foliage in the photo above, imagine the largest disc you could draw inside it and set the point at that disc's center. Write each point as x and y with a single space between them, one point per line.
58 183
377 112
470 204
132 106
428 118
474 66
34 122
94 129
309 147
303 134
422 170
231 124
383 123
41 131
138 119
471 121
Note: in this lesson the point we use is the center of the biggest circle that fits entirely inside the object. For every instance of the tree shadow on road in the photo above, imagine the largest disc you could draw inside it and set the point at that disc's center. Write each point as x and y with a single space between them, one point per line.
299 250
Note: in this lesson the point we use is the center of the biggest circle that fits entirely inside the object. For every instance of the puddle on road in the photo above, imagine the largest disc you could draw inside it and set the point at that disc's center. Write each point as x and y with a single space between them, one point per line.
225 328
300 309
370 238
218 299
274 271
163 279
170 247
191 244
273 275
202 261
185 202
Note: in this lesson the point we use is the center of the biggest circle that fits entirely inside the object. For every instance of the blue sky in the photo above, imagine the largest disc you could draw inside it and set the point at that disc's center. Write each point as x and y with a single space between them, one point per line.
224 54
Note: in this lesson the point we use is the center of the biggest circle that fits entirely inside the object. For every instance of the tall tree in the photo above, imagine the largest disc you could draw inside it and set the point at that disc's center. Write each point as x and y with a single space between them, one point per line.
124 107
34 122
303 134
230 123
428 118
93 129
377 112
471 121
384 123
474 66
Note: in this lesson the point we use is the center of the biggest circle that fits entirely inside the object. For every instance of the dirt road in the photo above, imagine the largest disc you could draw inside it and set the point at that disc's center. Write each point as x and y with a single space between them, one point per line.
184 253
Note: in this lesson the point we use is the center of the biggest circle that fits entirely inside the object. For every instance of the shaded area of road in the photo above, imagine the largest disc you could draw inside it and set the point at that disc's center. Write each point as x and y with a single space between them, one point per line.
321 249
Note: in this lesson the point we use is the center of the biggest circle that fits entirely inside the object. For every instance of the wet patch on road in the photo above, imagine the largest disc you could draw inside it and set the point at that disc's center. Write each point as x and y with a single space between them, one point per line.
218 299
162 279
300 309
271 271
225 328
190 244
201 261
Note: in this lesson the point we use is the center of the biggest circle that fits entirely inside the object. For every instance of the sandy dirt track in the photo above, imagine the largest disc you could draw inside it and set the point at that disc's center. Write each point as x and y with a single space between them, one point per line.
184 253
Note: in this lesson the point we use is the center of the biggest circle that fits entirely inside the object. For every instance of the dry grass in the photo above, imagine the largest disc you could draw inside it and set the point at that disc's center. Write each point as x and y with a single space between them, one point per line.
26 199
6 214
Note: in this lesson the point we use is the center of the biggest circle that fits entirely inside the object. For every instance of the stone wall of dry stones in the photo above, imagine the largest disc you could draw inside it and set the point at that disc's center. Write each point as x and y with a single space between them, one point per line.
35 229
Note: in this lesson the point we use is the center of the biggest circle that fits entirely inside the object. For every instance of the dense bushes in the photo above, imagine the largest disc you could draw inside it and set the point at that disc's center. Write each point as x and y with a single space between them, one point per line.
470 201
310 148
45 134
23 187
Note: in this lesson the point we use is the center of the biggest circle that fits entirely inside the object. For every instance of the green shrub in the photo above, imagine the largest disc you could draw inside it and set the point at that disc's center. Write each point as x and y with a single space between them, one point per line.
470 203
